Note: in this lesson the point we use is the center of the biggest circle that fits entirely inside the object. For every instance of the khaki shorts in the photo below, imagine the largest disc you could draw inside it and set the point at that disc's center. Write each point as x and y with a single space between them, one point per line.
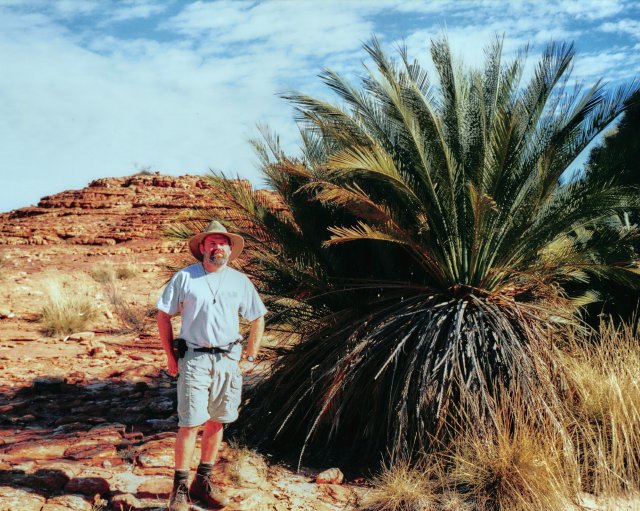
209 388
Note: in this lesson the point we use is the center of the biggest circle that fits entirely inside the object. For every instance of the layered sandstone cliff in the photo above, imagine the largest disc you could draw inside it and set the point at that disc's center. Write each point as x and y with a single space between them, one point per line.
109 211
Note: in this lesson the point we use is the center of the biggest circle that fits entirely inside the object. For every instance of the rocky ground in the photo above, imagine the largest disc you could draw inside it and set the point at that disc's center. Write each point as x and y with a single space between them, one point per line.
87 421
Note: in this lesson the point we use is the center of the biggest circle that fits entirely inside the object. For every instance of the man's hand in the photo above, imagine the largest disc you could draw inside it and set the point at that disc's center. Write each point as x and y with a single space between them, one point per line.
172 365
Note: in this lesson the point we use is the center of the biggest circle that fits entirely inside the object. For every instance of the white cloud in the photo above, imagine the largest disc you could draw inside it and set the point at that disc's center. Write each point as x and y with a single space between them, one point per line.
479 10
183 94
625 26
614 65
271 26
137 10
79 114
71 8
585 9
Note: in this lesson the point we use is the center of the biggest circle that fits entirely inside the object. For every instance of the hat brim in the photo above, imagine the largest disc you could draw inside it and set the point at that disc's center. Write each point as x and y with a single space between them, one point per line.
237 244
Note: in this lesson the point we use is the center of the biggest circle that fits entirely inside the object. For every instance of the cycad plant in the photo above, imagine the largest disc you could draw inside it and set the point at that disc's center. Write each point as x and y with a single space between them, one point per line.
419 245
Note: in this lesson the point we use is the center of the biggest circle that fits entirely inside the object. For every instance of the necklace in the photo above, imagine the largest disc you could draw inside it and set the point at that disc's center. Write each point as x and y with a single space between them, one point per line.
206 279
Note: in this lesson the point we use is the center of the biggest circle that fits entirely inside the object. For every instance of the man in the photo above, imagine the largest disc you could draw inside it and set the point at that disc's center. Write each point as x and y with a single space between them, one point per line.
208 295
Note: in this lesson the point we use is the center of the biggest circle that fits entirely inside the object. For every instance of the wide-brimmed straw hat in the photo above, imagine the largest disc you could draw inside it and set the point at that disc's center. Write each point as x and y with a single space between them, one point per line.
215 227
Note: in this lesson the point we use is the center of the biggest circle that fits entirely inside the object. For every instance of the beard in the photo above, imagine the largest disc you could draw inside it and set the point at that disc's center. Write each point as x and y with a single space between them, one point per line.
218 259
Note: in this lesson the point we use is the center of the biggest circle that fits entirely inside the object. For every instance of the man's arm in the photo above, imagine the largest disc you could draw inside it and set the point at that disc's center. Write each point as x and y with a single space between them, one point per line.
165 330
255 337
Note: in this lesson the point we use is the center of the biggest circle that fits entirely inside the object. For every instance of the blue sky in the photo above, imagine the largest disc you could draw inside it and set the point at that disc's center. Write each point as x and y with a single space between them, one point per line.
106 88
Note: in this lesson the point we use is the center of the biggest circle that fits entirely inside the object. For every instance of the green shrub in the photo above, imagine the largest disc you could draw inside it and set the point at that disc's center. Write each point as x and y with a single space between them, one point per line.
425 241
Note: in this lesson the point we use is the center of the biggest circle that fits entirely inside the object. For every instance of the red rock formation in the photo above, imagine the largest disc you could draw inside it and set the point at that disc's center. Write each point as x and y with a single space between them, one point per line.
110 211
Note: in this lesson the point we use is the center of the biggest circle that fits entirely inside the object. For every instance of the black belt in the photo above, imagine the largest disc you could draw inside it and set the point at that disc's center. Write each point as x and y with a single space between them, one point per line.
180 347
210 350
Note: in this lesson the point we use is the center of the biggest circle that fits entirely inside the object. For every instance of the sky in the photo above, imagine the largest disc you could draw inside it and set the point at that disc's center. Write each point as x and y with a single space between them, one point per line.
106 88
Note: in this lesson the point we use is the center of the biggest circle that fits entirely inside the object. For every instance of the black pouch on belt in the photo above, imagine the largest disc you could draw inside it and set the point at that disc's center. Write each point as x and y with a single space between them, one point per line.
179 347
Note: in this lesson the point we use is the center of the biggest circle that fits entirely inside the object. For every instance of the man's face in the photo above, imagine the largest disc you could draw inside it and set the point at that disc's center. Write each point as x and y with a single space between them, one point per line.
216 249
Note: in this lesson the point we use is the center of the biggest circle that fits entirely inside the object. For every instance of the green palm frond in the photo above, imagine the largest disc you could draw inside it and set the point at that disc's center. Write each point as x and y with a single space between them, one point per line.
360 231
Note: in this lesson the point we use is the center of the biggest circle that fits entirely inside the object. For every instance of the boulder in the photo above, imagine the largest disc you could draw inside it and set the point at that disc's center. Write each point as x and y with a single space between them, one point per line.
337 492
81 336
330 476
39 449
91 451
157 453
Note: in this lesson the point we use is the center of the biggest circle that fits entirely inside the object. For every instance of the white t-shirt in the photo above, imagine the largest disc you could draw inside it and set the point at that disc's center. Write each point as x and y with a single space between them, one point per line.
206 324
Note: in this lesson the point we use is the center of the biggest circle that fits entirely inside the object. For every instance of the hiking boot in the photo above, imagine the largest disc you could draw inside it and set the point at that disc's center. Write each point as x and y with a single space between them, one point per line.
205 489
179 499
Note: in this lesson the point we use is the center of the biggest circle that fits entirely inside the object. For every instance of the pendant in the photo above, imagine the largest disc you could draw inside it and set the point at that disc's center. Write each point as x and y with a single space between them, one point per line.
214 301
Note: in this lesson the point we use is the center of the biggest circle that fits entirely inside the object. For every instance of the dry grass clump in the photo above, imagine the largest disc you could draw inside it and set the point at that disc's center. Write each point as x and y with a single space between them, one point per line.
404 486
66 310
507 463
452 501
103 274
109 272
513 461
587 438
133 317
127 270
603 379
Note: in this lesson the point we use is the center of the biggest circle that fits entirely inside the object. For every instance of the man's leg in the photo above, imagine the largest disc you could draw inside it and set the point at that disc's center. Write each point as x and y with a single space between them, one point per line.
185 445
211 440
194 381
203 486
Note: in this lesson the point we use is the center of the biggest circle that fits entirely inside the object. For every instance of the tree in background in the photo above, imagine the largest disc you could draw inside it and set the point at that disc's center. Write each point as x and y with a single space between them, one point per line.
419 246
617 160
